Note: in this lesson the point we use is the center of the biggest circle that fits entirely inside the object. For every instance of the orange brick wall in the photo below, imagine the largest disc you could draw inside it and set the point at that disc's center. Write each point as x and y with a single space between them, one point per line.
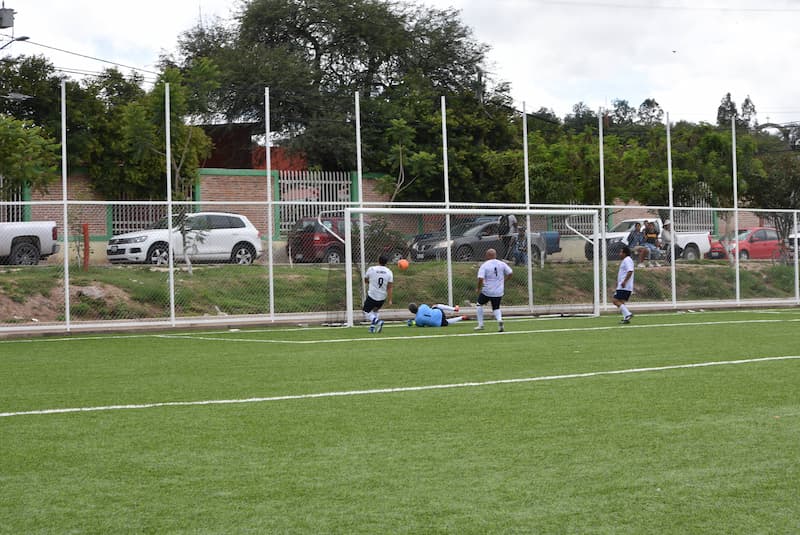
78 189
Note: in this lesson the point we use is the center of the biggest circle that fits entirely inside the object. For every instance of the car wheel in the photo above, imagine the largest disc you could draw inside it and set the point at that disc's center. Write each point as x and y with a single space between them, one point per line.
691 253
332 256
158 254
464 253
243 254
24 253
744 255
395 256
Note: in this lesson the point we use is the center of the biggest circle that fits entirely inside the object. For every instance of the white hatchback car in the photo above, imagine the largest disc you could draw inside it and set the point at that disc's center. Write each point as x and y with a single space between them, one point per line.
204 236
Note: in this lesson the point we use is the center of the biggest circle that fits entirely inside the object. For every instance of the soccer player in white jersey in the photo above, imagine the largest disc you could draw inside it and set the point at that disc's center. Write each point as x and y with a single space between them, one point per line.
624 284
379 281
492 276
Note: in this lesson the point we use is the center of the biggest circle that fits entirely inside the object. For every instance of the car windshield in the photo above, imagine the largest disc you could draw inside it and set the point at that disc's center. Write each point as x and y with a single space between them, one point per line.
625 226
464 228
162 223
729 236
305 225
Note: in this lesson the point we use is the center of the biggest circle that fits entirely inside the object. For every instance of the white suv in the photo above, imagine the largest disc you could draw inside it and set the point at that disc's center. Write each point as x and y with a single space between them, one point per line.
204 236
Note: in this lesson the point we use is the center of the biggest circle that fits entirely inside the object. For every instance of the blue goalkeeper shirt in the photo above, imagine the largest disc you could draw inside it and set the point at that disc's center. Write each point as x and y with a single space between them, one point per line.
428 317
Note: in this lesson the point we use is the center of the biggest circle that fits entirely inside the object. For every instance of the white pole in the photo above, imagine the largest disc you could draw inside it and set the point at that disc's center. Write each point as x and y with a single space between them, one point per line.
170 263
270 207
596 267
447 204
671 213
64 199
796 255
528 229
348 268
360 179
735 206
603 247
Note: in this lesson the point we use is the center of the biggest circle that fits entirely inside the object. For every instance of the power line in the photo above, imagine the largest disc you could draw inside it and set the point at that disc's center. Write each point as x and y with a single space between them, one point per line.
94 58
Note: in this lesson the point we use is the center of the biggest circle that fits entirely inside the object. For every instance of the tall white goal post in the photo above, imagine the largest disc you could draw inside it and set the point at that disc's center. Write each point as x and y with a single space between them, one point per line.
357 260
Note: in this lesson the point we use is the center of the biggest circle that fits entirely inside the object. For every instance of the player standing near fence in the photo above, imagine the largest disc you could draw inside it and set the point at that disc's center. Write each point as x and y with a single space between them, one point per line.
624 284
379 280
492 277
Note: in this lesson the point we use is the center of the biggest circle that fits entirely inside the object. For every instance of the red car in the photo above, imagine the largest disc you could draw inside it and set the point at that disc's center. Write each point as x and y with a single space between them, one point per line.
757 243
313 240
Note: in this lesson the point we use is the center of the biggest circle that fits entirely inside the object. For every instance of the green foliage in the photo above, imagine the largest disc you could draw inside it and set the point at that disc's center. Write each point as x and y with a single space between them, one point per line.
116 128
28 156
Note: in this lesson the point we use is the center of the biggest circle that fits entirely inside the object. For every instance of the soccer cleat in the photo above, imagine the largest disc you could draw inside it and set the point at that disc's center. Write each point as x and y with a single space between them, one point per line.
626 319
500 326
479 328
372 328
379 326
411 323
455 308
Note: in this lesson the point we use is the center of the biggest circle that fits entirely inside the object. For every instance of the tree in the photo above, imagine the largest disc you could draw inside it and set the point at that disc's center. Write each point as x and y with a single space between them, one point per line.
779 185
726 111
582 117
650 113
314 55
622 113
748 118
28 156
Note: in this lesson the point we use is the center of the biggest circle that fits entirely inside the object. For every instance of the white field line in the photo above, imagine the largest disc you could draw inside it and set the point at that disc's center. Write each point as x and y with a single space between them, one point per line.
488 332
397 389
508 321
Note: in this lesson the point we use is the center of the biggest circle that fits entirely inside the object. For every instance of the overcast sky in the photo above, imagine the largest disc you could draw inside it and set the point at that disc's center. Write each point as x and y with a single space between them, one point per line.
686 54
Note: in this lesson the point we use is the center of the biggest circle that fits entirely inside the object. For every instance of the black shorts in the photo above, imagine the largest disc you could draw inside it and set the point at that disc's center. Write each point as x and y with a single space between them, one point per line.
622 295
483 299
371 304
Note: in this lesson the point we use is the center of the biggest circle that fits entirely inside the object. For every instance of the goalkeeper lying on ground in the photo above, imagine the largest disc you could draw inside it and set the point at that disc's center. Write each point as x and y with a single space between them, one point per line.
426 316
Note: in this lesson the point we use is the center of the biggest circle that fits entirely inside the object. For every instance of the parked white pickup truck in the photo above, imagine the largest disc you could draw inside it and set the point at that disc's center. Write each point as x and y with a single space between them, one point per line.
693 244
25 243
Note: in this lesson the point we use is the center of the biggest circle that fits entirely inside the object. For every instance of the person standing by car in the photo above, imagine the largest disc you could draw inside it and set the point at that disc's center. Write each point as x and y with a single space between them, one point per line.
379 280
507 232
624 284
492 276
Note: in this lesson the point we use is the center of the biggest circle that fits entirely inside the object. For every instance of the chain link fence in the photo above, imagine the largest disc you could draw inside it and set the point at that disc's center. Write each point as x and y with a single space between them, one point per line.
252 265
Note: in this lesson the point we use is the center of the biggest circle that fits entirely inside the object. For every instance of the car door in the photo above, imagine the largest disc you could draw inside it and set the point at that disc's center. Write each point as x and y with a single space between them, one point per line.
760 244
488 239
189 236
221 236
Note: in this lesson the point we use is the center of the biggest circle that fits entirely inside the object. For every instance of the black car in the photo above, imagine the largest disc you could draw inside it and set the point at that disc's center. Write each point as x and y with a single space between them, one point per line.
469 241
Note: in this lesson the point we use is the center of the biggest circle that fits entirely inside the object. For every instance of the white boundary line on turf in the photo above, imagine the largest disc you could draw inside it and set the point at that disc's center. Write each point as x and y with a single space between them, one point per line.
396 390
377 338
102 337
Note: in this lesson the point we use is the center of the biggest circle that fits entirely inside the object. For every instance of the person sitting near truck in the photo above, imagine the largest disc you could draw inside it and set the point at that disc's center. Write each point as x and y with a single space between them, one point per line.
521 248
650 251
636 239
667 239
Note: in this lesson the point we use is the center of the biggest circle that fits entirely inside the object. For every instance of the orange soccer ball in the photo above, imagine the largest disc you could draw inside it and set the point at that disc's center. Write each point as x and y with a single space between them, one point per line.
402 264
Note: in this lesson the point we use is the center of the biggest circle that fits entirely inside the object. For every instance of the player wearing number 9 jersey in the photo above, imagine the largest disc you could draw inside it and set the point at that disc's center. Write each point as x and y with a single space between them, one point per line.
492 277
379 281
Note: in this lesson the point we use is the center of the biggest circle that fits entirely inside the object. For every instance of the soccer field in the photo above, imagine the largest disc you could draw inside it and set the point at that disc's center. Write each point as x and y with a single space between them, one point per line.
676 423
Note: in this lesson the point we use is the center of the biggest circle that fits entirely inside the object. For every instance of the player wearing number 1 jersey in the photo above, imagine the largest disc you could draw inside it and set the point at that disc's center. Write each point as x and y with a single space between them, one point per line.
492 277
379 281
